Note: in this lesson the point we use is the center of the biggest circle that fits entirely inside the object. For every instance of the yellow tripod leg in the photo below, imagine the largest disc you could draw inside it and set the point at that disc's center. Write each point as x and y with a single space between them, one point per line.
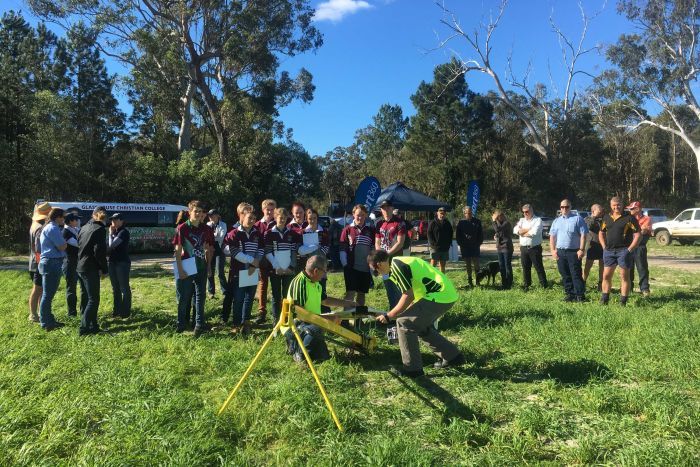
318 380
250 367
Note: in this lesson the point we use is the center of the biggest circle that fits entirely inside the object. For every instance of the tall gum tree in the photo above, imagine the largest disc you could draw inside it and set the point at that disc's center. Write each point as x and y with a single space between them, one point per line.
221 49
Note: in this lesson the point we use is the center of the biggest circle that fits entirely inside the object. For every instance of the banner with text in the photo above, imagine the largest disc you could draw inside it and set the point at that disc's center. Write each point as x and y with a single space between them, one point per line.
368 191
473 195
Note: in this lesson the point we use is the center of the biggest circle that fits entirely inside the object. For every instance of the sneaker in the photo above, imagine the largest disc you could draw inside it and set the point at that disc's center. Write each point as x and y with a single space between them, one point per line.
180 329
260 320
33 318
569 298
645 293
603 301
198 330
236 330
246 329
457 361
525 288
580 299
298 357
402 371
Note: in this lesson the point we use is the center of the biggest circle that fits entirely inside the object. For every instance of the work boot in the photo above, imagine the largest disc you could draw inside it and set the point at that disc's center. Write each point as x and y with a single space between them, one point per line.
402 371
457 361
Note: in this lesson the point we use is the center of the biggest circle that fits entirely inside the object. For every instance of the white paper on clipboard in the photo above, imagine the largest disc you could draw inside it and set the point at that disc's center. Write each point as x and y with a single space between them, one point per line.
311 239
189 265
246 280
284 258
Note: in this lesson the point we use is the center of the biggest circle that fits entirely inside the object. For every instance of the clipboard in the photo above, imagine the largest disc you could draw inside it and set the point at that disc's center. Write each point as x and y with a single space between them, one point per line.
311 239
189 265
284 258
245 280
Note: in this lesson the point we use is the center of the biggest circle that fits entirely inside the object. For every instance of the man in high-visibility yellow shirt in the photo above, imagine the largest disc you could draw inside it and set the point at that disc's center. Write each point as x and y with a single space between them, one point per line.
426 294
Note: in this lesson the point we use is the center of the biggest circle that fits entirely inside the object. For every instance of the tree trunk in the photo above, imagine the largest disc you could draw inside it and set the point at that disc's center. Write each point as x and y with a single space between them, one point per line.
673 164
184 139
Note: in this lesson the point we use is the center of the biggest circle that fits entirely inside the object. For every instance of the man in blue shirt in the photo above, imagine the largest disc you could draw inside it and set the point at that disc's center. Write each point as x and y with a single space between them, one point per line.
53 251
567 239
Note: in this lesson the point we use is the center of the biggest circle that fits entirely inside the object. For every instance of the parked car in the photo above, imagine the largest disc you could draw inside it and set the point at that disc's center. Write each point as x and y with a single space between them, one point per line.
656 214
685 228
546 225
421 226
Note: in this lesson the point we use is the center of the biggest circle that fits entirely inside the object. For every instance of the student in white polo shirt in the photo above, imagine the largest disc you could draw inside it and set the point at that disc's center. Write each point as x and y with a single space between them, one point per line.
529 229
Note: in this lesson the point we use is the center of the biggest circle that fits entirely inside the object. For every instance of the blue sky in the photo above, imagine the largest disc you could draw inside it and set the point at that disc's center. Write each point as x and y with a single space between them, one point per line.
378 51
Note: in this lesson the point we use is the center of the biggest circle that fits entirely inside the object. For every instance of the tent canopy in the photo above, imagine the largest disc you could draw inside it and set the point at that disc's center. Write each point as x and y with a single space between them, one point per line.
406 199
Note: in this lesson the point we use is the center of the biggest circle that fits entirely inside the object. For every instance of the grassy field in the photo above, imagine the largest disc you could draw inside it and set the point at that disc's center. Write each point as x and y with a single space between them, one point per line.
546 382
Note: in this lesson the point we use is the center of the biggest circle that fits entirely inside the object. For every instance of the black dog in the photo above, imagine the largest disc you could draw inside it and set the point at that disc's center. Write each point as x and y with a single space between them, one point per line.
489 272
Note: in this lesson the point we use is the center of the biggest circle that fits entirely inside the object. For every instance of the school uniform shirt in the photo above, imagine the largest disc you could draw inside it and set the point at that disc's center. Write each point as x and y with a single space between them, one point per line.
356 243
297 227
323 239
388 232
281 240
193 241
263 225
533 237
118 249
244 248
70 235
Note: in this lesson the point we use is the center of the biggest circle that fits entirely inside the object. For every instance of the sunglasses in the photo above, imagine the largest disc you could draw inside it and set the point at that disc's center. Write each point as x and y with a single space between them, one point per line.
526 211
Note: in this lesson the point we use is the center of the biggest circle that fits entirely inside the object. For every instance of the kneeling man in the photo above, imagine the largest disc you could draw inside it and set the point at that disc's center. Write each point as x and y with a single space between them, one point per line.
426 294
306 292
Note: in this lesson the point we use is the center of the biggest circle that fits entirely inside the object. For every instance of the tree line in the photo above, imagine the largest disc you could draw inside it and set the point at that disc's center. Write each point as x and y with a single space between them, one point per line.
205 85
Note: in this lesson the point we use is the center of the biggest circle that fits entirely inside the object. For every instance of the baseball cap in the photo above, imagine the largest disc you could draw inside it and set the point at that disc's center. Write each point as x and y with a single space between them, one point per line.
441 208
70 217
634 204
117 216
384 203
213 212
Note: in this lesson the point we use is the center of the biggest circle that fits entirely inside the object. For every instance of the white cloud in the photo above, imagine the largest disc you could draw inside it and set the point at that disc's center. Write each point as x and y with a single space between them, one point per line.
335 10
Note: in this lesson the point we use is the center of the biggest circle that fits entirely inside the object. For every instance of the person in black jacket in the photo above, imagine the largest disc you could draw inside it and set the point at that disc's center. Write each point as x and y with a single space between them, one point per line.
504 246
92 263
70 265
119 266
470 236
440 239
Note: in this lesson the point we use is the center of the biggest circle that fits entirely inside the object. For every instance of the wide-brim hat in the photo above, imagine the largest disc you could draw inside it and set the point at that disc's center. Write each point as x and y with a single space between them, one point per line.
41 211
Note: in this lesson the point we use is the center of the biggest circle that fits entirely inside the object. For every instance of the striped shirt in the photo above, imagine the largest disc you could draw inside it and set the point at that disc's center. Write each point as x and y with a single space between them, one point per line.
243 247
357 242
323 239
388 231
286 240
306 293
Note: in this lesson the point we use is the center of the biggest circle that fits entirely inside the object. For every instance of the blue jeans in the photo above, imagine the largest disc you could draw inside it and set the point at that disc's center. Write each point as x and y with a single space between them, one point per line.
121 291
217 266
240 299
312 338
570 270
51 271
642 264
194 284
505 259
280 287
393 294
71 275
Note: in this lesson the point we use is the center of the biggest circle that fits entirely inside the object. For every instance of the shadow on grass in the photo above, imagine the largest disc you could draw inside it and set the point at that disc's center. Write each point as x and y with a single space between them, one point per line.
151 272
566 373
451 407
690 297
151 322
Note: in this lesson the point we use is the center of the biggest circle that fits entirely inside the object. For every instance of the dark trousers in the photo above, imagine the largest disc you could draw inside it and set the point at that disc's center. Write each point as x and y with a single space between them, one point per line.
532 256
72 280
186 288
217 266
642 266
121 290
91 283
569 266
335 257
312 338
505 259
280 287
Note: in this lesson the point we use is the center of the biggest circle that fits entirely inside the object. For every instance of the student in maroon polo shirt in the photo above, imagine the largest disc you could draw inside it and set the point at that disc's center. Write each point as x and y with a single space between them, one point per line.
263 225
321 248
193 239
298 224
390 235
245 246
280 239
356 241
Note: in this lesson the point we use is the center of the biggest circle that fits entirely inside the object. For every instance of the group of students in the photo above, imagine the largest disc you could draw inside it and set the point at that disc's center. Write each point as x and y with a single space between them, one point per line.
61 247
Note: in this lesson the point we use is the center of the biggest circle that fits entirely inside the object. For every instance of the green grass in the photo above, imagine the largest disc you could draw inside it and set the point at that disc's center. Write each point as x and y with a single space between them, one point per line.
546 382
